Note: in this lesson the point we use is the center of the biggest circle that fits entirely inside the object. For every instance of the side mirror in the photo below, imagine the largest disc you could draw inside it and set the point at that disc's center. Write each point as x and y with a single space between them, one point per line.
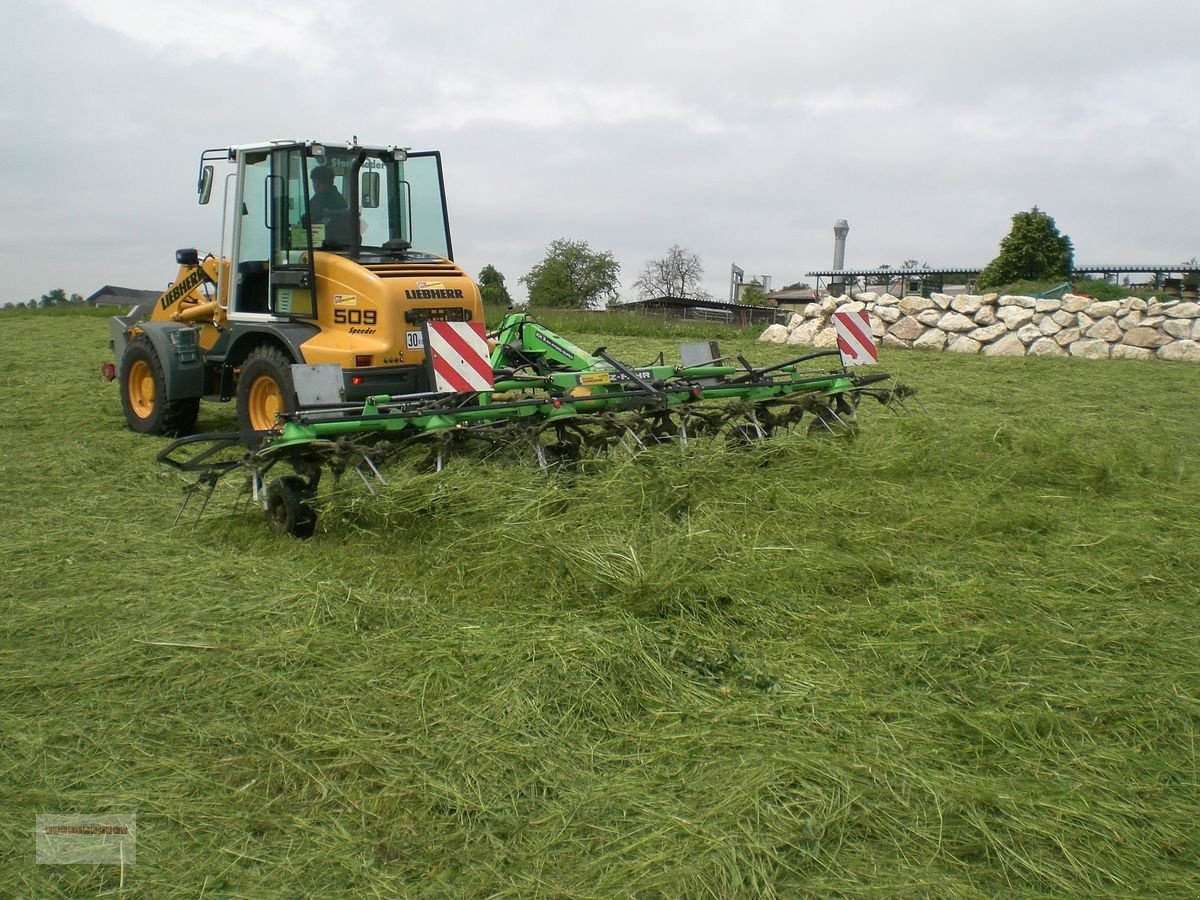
370 190
204 187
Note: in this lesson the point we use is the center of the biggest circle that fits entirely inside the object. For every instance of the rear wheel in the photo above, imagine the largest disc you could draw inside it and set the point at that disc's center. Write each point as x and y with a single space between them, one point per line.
265 390
290 507
144 394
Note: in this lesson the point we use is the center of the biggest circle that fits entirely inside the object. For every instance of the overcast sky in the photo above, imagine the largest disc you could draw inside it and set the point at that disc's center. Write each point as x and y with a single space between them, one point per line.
740 131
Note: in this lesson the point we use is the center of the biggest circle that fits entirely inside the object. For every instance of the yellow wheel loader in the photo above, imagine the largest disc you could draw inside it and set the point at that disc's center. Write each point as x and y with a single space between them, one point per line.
328 254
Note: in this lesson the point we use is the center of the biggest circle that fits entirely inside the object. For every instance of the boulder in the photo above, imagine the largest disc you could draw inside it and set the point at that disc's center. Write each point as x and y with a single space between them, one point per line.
1009 345
1067 336
1105 329
888 314
806 333
1124 351
907 329
1014 316
988 334
1130 319
1137 304
868 297
890 340
852 306
967 304
775 334
825 339
988 299
1073 304
1048 306
1178 328
1180 351
933 339
941 301
886 300
1142 337
811 310
1091 349
986 315
1063 318
953 321
929 316
1027 334
960 343
1048 326
1184 311
1098 309
1046 347
911 305
795 321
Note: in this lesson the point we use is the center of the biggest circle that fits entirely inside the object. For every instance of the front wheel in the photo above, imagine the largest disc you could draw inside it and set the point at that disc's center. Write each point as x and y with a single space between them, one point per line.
265 389
144 394
291 507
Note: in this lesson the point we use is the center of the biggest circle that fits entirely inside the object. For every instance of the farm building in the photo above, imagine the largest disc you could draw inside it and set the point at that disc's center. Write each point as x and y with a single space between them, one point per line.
688 308
122 298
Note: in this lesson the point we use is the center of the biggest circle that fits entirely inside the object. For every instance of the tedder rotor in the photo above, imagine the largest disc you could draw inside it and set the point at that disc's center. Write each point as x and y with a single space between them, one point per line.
522 386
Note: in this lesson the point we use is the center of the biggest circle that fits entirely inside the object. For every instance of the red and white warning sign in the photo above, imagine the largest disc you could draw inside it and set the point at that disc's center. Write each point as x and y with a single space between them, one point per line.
855 342
458 354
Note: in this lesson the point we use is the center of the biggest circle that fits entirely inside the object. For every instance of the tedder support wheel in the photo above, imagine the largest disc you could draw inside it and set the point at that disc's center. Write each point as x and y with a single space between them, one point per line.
265 389
290 507
144 394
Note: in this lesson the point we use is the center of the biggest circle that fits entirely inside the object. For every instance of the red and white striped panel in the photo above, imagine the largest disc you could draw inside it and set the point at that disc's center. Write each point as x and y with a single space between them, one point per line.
855 342
458 353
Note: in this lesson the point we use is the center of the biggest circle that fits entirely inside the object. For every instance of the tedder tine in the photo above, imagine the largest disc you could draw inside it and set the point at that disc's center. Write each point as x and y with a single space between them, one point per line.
212 486
374 469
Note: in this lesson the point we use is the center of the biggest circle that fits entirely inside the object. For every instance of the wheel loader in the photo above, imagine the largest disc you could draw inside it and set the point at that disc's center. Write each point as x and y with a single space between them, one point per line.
329 254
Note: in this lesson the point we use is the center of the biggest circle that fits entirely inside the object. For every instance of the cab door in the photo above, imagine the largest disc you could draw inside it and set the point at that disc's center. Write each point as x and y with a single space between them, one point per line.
291 270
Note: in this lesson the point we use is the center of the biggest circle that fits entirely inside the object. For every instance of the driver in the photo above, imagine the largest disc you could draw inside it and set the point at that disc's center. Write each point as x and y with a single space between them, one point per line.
325 199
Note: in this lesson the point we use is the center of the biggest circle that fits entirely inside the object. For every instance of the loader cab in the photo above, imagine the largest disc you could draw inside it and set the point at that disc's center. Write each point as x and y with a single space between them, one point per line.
291 202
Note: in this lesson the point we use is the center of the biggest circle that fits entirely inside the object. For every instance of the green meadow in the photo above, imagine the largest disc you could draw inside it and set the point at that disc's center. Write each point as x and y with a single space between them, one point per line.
957 656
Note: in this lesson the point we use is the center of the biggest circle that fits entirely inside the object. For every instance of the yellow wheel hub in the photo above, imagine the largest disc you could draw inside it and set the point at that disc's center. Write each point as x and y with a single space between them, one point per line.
141 389
264 403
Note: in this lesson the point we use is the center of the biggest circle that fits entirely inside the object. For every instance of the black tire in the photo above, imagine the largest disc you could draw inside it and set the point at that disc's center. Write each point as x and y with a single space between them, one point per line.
144 390
290 507
264 364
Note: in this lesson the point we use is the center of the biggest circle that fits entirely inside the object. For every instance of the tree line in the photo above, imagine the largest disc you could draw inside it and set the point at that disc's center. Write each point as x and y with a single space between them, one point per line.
51 299
573 275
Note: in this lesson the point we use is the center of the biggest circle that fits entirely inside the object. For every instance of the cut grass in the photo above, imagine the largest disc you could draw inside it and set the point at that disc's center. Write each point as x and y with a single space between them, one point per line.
955 657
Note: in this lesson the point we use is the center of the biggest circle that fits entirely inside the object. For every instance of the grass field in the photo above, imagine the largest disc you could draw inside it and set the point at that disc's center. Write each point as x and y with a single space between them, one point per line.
957 657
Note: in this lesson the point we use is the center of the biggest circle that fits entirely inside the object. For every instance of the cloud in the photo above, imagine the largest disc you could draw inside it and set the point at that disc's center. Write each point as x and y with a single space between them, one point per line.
739 132
220 29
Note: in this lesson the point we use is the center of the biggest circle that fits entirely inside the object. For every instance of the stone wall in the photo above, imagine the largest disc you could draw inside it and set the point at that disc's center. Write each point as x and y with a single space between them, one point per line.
996 325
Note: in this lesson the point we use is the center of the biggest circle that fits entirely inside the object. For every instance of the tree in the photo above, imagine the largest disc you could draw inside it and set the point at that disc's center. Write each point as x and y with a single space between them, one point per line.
752 294
56 297
677 274
491 287
572 275
1033 251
